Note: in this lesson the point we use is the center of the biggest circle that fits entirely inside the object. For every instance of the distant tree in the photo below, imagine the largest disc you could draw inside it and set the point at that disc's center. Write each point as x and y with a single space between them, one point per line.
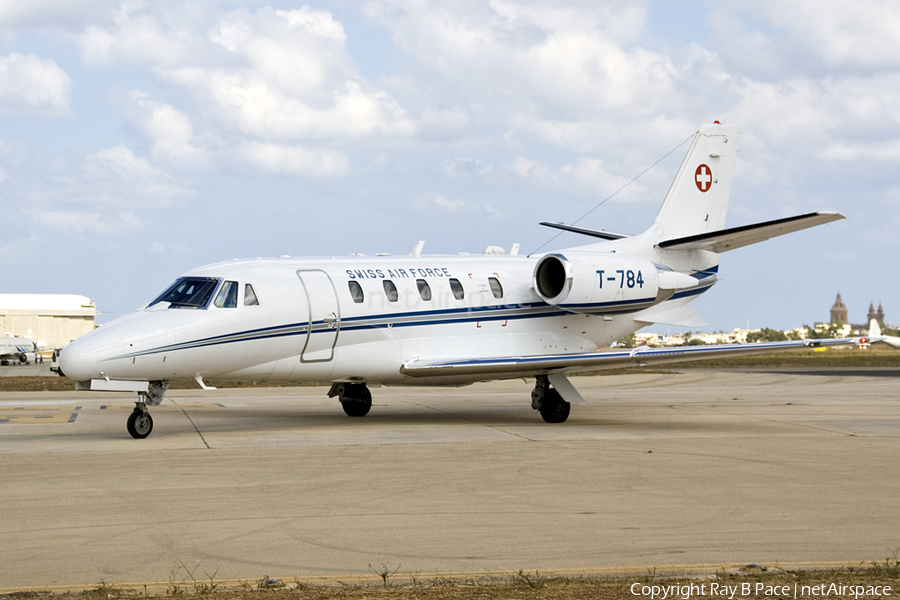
890 331
626 342
766 335
832 331
794 335
695 342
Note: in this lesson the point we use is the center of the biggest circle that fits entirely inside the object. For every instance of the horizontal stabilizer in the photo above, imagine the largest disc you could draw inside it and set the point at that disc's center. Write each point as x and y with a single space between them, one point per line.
522 366
682 316
738 237
597 233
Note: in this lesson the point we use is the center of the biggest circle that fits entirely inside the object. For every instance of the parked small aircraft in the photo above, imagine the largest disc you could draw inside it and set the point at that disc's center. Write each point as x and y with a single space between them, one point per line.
875 335
440 320
16 349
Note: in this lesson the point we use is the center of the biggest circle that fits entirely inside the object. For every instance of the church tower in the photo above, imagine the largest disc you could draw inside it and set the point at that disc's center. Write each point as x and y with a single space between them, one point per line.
839 312
880 315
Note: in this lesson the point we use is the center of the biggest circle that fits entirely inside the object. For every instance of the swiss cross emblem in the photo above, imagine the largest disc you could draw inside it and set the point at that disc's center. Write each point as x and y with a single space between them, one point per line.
703 178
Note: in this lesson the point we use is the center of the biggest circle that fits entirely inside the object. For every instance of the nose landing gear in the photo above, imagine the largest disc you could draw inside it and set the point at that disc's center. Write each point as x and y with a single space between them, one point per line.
140 423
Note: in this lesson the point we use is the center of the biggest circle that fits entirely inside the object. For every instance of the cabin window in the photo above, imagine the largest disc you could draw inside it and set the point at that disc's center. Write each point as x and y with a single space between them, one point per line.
390 290
227 296
456 287
188 292
356 292
496 288
424 289
250 298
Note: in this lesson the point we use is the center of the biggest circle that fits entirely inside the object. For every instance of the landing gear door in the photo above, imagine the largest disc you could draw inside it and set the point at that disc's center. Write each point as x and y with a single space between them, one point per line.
324 316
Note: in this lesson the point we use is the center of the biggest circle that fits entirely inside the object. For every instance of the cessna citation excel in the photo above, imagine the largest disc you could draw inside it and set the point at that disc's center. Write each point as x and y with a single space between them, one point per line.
439 320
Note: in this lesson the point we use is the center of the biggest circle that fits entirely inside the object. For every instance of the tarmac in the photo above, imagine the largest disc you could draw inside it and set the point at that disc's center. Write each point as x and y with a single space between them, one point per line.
700 469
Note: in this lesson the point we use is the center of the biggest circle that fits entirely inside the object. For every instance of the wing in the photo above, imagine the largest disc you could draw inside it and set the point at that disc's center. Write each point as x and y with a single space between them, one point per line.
520 366
738 237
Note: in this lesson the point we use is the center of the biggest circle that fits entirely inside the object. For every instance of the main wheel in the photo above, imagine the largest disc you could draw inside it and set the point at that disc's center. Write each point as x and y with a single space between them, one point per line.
360 403
553 408
140 424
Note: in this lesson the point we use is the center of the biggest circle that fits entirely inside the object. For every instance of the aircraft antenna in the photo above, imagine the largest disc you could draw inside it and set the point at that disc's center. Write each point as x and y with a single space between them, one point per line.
613 195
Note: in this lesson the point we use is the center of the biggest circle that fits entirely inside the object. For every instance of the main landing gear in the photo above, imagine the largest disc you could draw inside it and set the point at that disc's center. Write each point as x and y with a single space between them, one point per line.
356 399
140 423
548 401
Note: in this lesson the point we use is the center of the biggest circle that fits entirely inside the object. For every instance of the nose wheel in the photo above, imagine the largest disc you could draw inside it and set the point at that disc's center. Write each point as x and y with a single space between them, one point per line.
140 423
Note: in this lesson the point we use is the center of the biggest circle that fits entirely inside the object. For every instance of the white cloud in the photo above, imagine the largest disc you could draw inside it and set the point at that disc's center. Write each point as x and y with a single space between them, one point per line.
157 34
169 130
439 204
31 85
861 34
83 223
117 177
294 160
590 177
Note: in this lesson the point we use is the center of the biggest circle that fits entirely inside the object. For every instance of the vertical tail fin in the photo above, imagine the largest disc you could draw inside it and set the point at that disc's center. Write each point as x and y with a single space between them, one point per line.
874 329
698 198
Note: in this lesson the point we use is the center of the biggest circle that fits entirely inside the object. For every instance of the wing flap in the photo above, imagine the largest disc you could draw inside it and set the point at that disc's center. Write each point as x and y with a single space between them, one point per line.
738 237
520 366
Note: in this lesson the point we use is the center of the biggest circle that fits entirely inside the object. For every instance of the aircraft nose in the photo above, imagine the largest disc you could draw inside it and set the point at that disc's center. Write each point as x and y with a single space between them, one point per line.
78 361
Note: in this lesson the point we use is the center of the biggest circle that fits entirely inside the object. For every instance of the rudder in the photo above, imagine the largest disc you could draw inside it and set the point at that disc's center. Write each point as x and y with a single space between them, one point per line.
698 197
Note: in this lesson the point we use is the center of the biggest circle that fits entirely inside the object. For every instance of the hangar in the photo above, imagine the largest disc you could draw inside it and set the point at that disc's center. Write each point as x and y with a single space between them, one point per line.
52 320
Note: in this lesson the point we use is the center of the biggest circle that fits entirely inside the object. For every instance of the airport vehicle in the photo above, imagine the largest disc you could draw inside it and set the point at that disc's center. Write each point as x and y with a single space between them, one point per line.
439 320
16 350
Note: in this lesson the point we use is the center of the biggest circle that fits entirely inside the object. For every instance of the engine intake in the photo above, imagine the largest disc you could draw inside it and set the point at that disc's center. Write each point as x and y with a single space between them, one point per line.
596 283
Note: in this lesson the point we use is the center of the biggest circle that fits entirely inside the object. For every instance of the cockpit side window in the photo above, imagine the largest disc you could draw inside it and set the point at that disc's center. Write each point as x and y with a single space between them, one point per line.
188 292
227 296
250 298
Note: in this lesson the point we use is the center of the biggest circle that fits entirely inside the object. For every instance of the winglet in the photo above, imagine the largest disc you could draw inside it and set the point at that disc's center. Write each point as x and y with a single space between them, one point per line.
417 251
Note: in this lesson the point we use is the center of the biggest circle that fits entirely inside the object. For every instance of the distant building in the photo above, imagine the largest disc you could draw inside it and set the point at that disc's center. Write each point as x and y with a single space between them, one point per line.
877 315
839 316
51 320
839 312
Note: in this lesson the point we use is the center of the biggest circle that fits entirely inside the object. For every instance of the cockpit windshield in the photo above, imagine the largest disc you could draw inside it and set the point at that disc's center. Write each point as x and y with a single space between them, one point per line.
188 292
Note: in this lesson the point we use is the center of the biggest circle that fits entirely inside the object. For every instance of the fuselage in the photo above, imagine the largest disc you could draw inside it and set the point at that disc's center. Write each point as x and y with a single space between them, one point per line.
360 319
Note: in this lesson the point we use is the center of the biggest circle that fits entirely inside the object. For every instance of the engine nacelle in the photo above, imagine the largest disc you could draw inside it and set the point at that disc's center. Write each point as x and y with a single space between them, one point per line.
597 283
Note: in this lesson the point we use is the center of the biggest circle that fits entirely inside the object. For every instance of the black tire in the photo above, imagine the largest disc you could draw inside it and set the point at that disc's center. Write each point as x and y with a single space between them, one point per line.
553 408
140 424
361 402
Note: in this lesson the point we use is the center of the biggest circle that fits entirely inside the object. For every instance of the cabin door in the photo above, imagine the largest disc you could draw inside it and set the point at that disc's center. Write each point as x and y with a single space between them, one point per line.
324 316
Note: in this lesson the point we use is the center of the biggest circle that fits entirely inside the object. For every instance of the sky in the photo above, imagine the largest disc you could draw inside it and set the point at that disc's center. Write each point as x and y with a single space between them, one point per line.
141 139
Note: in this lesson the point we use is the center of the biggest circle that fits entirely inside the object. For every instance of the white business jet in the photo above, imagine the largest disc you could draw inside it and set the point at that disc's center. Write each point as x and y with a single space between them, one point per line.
16 349
439 320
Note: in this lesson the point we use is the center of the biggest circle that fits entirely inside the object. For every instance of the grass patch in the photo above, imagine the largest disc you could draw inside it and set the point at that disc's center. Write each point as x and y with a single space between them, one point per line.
524 585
